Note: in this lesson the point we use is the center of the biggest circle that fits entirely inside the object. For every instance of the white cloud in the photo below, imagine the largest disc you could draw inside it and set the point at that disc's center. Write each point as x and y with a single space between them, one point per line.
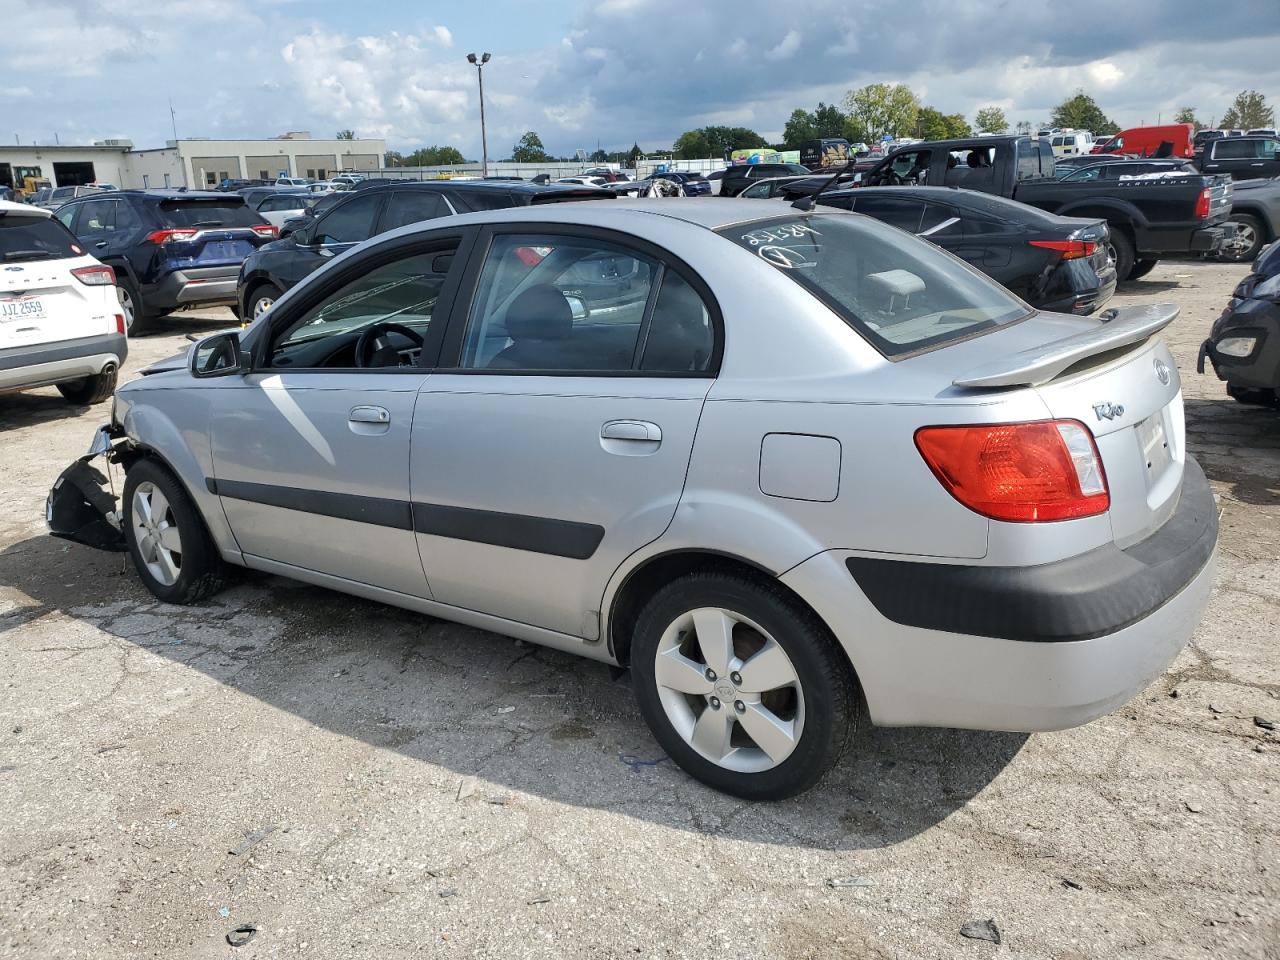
787 47
443 35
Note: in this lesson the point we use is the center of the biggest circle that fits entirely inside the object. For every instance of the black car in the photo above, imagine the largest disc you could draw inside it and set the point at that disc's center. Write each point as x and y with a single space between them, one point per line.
741 175
1245 158
694 184
375 207
1244 343
1055 263
1121 167
1065 165
169 248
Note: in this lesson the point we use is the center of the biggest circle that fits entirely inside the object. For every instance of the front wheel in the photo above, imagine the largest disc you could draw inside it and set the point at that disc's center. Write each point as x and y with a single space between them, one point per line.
262 299
742 686
171 549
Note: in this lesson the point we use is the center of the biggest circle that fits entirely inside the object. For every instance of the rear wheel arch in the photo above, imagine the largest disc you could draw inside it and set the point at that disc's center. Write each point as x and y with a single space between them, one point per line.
652 574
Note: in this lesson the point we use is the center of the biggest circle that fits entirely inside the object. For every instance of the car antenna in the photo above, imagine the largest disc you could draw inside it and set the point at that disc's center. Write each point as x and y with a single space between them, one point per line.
807 203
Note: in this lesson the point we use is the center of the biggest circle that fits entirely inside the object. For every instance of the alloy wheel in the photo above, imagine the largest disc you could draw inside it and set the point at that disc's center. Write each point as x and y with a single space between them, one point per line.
729 690
126 307
261 305
155 530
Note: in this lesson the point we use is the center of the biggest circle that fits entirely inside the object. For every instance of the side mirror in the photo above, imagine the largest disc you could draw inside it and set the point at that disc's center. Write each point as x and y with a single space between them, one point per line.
296 227
219 356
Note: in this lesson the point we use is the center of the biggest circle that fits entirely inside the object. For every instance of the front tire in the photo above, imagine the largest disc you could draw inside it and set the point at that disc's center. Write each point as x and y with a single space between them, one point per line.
89 390
171 549
742 686
261 299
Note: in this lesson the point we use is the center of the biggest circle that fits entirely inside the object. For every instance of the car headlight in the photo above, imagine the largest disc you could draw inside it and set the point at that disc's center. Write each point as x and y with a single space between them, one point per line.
1236 346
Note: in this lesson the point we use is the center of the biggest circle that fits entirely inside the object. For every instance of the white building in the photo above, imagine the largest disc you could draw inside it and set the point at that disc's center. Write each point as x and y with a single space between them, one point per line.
191 162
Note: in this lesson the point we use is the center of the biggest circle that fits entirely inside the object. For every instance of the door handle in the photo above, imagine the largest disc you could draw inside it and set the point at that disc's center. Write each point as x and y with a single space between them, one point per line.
369 414
101 244
638 430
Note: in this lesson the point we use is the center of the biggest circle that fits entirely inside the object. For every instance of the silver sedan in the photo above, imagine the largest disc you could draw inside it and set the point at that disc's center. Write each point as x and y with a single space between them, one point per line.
793 467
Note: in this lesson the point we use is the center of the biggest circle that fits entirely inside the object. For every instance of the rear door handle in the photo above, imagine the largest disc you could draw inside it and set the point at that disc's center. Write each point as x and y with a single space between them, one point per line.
638 430
101 244
369 414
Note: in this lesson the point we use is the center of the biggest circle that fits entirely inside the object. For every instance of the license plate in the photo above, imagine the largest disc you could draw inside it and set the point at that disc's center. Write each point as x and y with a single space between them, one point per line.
21 308
1155 445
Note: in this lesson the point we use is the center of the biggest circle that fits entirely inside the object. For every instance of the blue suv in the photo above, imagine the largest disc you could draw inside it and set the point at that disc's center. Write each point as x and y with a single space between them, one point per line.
169 248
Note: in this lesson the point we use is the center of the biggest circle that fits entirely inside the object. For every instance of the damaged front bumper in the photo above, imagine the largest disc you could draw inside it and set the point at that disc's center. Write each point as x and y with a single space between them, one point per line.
82 505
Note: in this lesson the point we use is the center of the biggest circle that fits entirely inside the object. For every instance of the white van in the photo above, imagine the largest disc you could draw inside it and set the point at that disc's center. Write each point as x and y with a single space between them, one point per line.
1071 143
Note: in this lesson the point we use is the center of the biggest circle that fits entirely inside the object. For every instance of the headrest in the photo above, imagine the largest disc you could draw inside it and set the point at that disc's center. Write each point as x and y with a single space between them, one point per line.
539 313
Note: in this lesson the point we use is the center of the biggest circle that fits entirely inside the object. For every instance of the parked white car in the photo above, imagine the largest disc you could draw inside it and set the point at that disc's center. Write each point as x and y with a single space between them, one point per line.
293 182
584 181
60 318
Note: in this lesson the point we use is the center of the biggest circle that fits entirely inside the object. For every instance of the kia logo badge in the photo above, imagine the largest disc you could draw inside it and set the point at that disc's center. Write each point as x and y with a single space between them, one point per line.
1163 374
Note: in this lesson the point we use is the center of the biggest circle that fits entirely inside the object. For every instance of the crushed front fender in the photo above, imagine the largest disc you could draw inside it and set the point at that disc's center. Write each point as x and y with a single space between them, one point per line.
82 505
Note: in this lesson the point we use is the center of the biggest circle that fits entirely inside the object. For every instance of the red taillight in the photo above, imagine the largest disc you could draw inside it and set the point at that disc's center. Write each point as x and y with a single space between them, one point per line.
1204 203
120 328
266 229
1021 472
99 275
159 237
1070 249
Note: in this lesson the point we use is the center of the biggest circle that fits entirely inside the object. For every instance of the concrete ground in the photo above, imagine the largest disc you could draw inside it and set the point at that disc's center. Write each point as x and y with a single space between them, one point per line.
357 781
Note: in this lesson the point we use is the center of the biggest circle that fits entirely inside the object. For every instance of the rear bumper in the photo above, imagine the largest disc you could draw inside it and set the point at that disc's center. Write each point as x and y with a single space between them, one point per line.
1210 239
1045 648
43 364
195 285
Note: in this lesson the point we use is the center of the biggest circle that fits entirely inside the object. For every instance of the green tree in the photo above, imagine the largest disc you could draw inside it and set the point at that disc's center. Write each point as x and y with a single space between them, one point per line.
529 149
715 142
881 108
1082 112
346 135
392 158
1249 111
1187 115
1023 128
933 124
434 156
991 120
799 128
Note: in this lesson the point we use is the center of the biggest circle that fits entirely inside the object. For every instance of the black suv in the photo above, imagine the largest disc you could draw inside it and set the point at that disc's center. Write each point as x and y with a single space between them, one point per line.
740 176
375 207
1243 157
169 248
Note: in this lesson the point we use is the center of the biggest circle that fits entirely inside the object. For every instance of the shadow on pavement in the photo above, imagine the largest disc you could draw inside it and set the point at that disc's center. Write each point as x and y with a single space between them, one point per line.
480 705
1238 445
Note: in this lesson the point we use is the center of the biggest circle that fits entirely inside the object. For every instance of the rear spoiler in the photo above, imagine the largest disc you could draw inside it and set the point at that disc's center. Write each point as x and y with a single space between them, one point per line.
1041 364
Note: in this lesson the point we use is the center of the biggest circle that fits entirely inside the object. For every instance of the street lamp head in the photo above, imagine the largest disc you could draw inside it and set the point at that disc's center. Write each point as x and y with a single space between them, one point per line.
471 58
485 58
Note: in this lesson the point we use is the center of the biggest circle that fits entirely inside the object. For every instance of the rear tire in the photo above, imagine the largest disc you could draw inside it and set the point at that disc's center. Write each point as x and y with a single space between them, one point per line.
1124 255
1250 237
172 551
89 390
136 320
1142 268
777 713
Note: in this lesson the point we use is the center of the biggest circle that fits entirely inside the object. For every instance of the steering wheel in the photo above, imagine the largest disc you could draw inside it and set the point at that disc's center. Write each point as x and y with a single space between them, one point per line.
369 350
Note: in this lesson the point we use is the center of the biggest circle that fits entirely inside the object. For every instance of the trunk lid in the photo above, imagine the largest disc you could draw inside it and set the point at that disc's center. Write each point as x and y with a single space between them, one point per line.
211 232
41 302
1122 383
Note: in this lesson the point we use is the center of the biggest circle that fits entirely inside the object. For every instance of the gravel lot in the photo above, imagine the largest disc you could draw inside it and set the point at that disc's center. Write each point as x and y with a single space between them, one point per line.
357 781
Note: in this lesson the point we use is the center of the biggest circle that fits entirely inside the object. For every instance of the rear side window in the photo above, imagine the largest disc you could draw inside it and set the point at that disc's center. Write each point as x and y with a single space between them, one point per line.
349 222
207 213
478 200
901 213
24 238
1235 150
412 206
901 293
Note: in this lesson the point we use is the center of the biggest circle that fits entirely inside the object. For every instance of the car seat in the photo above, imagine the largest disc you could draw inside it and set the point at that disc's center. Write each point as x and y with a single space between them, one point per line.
539 322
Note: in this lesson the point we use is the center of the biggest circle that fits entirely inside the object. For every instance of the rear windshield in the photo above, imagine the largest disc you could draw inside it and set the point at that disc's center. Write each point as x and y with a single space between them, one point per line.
901 293
24 238
208 213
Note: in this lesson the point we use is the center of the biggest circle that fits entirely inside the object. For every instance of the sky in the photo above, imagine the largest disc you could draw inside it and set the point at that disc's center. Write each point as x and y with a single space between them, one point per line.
607 72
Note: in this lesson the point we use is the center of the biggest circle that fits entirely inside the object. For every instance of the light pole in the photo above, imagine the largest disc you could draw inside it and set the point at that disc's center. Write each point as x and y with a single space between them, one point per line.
484 138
